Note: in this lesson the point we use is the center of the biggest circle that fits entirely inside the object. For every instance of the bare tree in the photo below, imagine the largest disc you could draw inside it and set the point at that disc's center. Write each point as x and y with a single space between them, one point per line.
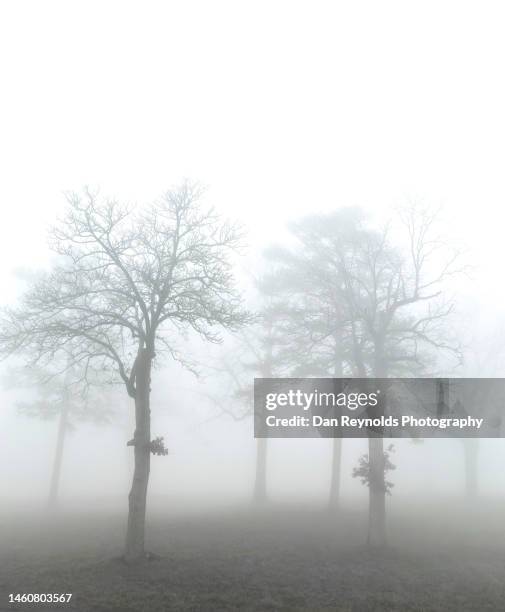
129 283
375 309
61 395
484 357
400 308
235 399
258 350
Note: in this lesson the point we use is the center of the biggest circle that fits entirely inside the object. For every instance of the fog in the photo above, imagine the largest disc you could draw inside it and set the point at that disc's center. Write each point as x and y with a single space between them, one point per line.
339 119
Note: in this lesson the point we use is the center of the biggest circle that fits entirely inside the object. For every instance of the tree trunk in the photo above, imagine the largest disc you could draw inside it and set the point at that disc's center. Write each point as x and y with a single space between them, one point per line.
377 495
141 442
336 461
470 449
58 456
260 479
377 535
335 475
260 482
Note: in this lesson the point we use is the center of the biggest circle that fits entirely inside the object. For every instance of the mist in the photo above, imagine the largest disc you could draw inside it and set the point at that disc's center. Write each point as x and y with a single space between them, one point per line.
197 195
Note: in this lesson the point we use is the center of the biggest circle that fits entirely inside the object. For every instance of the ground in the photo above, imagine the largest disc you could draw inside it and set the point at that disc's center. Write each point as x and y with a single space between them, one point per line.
278 558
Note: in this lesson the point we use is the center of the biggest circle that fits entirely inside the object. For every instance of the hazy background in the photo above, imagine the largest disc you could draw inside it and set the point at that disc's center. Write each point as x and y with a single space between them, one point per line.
282 109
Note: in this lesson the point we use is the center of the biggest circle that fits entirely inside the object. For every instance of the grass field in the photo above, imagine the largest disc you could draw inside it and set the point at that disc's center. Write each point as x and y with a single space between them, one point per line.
281 558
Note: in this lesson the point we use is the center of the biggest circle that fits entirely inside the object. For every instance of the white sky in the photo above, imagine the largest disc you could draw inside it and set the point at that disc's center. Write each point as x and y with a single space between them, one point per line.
279 107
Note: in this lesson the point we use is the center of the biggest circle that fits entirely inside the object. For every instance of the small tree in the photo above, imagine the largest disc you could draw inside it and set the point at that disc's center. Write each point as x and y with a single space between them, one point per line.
61 394
259 350
129 281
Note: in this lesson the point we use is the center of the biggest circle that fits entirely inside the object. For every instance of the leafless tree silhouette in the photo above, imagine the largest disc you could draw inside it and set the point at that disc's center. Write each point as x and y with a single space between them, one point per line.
128 282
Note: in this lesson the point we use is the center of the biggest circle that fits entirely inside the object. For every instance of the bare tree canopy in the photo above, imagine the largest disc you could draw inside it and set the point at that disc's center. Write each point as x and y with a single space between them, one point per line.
122 274
383 300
